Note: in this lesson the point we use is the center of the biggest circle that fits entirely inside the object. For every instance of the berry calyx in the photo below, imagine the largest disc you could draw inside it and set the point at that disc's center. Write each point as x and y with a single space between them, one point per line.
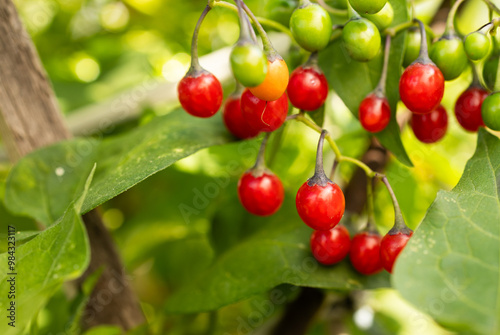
260 191
449 56
367 6
391 246
374 113
421 87
365 252
490 111
308 87
330 246
430 127
275 82
468 108
361 39
476 45
263 115
200 94
320 202
311 26
234 120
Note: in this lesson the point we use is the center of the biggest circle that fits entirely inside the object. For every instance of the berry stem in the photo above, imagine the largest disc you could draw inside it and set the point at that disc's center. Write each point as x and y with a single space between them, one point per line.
195 63
260 163
340 158
334 169
244 31
492 6
393 31
334 11
319 177
423 56
304 3
399 222
267 22
380 89
450 26
268 46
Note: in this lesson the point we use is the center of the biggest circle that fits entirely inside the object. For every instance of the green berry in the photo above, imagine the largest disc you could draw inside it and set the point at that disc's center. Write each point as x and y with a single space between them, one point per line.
311 27
477 45
490 71
383 18
490 111
361 39
367 6
449 55
249 64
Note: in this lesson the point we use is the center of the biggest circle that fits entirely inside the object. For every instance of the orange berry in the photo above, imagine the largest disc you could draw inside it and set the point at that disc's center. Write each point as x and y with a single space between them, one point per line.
275 83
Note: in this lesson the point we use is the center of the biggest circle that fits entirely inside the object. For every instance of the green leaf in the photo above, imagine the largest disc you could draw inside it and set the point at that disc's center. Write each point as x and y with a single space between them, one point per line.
353 80
277 254
43 183
57 254
318 115
450 268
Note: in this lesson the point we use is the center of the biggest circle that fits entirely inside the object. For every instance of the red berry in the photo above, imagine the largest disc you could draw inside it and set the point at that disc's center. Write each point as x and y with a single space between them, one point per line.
330 246
365 253
431 127
468 108
200 95
391 246
264 115
421 87
234 121
320 207
374 113
307 88
261 194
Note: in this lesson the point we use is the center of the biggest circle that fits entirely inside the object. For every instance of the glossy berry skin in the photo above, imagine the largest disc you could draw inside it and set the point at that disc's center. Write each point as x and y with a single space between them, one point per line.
390 248
311 26
307 88
367 6
249 64
261 194
365 253
476 45
430 127
320 207
200 95
275 83
468 108
374 113
361 39
421 87
383 18
330 246
449 56
234 120
491 111
263 115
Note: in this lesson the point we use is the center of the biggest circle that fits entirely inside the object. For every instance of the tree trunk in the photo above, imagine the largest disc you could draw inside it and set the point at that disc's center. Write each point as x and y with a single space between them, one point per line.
30 119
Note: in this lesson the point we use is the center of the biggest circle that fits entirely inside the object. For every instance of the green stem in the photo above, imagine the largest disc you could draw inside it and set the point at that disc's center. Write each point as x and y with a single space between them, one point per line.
450 26
393 31
334 11
260 163
399 224
492 6
195 63
380 89
423 56
244 31
267 22
268 46
369 172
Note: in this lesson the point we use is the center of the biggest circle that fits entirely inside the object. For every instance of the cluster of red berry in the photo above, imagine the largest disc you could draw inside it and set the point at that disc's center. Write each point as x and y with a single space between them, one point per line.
260 104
